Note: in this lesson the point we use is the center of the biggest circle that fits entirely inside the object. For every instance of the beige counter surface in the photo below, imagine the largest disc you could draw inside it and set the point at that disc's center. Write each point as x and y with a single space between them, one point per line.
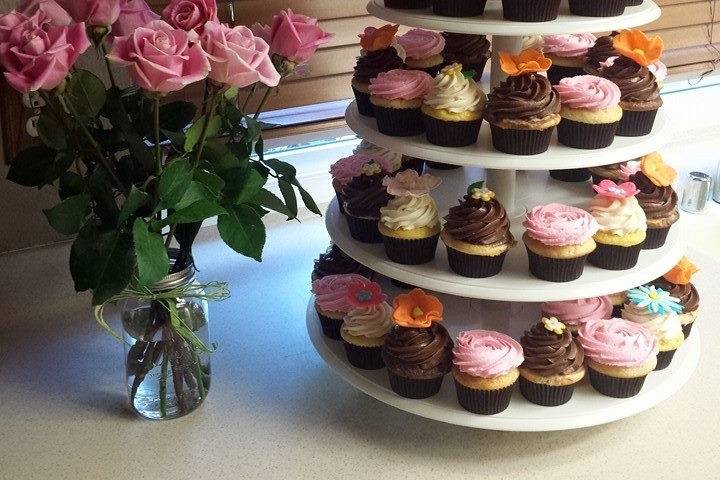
276 411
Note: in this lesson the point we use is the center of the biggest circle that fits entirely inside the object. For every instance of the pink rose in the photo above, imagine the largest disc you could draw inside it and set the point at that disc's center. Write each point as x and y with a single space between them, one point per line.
190 14
293 36
133 14
160 58
10 22
96 13
52 12
237 57
39 56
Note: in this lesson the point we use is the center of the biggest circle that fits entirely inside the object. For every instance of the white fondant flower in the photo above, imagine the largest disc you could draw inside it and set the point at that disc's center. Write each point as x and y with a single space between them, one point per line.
409 184
554 325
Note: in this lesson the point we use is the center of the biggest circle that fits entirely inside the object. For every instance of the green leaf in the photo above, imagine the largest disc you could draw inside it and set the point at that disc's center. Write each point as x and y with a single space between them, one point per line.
62 162
307 199
196 212
135 199
86 92
175 116
248 186
222 156
51 132
254 129
231 93
192 137
118 115
70 184
242 230
175 181
269 200
30 167
176 138
152 258
288 193
195 192
210 180
68 216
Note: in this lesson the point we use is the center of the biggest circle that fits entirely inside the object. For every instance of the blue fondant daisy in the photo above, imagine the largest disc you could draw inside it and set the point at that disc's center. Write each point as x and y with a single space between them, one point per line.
655 300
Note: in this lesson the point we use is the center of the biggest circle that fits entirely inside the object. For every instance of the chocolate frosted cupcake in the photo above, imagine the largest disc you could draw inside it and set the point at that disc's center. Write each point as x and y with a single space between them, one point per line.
575 313
378 55
477 234
656 310
617 172
677 282
553 363
567 53
418 350
471 51
524 109
364 196
619 354
336 262
345 169
331 302
640 94
657 198
485 370
409 224
423 50
600 53
397 97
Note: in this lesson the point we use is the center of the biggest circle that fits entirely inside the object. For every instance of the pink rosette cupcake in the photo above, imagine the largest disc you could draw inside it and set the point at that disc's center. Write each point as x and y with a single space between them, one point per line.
619 355
397 97
589 111
568 53
423 50
345 169
558 239
575 313
485 369
331 301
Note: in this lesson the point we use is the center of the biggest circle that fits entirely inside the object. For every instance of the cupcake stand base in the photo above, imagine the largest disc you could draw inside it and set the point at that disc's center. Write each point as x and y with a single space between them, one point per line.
586 408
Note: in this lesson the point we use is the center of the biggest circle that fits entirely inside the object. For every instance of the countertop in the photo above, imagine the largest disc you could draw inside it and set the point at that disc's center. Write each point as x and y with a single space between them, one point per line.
276 411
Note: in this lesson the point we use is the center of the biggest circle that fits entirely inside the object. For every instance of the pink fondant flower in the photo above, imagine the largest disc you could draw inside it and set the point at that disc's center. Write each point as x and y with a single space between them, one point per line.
409 184
362 294
610 189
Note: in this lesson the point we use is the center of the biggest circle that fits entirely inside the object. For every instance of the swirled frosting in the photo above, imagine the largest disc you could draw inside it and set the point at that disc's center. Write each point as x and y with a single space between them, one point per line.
392 160
369 322
570 45
486 354
365 195
659 70
665 326
331 292
588 91
455 93
577 312
478 222
686 294
636 83
370 64
401 84
465 48
628 169
423 351
408 213
618 216
657 202
350 167
556 224
335 262
599 53
617 342
548 353
419 43
524 97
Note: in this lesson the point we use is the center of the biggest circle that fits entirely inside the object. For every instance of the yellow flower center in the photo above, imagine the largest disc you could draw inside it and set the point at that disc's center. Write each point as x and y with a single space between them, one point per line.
653 295
417 312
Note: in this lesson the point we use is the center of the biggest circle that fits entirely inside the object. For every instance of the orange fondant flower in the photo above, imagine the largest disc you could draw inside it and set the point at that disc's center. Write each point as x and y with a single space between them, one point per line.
659 172
682 272
636 45
417 309
373 39
527 61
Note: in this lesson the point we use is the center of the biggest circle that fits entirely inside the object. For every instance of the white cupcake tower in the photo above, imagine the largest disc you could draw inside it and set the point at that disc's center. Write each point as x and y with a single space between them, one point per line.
484 303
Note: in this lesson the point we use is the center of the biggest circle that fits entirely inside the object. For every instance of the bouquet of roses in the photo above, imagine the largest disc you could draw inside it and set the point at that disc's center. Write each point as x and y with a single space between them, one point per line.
135 169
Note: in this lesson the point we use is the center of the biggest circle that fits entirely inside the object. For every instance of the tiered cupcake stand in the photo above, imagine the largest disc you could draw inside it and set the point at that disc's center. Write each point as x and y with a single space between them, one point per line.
508 301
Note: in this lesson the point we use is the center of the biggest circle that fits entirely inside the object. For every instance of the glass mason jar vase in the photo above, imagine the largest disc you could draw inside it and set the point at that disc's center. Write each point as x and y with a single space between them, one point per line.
167 377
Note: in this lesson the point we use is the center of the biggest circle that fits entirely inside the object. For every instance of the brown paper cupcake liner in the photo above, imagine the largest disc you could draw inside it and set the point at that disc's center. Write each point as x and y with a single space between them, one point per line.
546 395
442 166
597 8
655 238
483 402
520 142
412 163
617 311
633 3
558 72
330 326
414 388
399 122
340 201
366 358
614 257
636 123
364 229
474 266
451 134
586 136
687 329
614 386
530 10
411 252
571 175
406 4
458 8
555 269
362 100
664 359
